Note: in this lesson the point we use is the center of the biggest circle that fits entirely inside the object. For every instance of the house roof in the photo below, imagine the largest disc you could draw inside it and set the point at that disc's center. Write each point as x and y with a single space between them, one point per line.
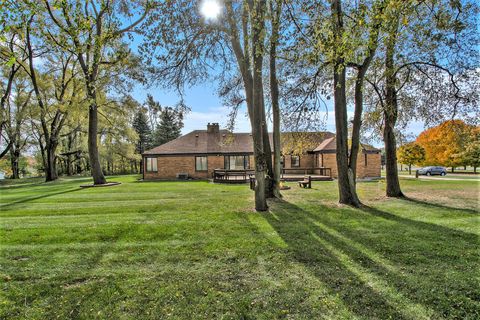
201 141
327 144
330 144
224 141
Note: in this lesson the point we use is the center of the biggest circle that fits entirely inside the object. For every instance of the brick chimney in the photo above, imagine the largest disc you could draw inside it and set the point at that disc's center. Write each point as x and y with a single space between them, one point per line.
213 128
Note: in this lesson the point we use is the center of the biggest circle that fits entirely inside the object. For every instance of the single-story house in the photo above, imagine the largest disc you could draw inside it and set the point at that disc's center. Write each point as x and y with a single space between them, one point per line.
197 154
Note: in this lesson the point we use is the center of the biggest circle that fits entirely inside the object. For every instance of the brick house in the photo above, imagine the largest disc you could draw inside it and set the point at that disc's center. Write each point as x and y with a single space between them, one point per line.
198 153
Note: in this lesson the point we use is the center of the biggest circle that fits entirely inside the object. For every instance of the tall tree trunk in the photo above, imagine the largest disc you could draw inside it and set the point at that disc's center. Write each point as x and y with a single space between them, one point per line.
346 189
259 123
357 123
14 159
43 153
274 92
269 178
390 118
253 15
51 169
95 166
51 136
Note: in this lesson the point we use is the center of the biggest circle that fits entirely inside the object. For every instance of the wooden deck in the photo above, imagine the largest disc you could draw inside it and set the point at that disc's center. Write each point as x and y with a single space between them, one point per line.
296 177
296 174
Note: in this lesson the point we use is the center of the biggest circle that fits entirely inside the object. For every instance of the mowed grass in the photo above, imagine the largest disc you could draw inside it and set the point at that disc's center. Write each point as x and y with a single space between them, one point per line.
196 250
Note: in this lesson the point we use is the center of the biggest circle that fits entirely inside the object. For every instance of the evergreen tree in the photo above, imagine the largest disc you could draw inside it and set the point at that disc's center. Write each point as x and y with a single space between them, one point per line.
140 125
169 126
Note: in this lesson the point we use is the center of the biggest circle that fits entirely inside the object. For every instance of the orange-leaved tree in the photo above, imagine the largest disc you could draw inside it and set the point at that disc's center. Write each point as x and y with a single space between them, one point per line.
444 143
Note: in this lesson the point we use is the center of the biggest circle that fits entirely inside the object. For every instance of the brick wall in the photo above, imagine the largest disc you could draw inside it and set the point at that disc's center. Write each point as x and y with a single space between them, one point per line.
170 166
329 161
373 167
371 170
306 161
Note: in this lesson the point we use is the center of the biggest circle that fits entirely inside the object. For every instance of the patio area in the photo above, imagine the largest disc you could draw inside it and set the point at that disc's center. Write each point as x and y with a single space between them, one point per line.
293 174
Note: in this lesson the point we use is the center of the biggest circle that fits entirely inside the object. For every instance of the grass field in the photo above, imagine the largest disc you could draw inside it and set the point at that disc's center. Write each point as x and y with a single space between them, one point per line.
195 250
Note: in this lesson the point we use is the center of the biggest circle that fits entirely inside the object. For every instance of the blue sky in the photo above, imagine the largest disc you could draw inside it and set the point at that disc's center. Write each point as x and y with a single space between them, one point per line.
207 107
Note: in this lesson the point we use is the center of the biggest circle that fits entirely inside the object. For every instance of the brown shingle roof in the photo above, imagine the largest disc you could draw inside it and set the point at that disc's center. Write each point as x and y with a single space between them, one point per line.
331 145
328 144
200 141
223 141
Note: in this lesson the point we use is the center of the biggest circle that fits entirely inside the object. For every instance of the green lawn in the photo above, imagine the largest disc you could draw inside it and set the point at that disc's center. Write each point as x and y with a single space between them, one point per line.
187 250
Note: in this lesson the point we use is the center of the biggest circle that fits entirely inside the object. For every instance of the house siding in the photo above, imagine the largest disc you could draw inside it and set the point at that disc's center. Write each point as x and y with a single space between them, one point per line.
371 170
169 166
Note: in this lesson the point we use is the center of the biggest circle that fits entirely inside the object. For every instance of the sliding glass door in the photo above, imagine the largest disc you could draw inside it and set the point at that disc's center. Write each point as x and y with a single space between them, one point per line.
237 162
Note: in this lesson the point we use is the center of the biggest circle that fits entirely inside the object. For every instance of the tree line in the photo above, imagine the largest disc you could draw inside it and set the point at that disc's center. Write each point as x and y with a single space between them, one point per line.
384 61
453 143
66 73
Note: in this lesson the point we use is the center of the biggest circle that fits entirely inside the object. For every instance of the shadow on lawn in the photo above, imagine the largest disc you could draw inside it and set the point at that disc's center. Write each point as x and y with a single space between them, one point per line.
397 268
440 206
84 279
36 197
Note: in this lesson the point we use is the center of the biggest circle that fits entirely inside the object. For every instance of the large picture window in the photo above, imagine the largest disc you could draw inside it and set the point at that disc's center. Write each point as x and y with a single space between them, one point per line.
151 164
201 163
295 161
237 162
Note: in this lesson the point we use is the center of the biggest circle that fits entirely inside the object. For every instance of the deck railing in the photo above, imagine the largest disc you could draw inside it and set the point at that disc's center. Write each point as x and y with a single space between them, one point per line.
242 176
316 170
231 176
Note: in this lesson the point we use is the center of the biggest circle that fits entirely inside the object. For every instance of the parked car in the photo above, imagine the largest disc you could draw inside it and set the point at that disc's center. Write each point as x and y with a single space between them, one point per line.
430 171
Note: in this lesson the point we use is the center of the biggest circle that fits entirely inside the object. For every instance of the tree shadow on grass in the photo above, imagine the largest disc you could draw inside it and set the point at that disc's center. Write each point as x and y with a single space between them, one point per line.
36 197
420 225
400 268
312 247
84 280
439 206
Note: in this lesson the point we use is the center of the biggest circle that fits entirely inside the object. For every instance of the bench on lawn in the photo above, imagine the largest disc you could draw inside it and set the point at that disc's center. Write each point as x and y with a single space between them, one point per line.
306 182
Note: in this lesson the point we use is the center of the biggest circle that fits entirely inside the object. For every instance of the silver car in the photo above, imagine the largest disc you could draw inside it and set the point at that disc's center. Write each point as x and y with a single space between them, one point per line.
430 171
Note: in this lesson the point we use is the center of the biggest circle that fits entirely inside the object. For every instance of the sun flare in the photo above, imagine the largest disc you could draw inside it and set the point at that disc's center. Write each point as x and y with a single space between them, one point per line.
210 9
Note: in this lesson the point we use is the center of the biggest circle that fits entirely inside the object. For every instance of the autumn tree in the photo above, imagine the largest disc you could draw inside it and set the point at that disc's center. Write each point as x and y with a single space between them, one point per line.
444 143
410 154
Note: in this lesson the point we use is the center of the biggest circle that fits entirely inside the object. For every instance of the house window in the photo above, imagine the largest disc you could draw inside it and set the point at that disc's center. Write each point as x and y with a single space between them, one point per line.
151 164
201 163
295 161
365 159
237 162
